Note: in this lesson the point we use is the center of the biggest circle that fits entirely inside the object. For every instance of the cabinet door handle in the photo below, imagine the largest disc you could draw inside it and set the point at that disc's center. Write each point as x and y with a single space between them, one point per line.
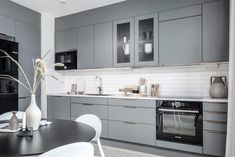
216 112
132 123
215 122
215 132
132 107
23 97
86 104
58 96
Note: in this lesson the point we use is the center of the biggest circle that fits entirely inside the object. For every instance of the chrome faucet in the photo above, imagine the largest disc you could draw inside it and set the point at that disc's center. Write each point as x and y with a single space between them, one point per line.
100 86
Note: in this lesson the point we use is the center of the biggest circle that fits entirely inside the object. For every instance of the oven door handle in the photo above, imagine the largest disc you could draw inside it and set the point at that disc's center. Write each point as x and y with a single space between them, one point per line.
180 111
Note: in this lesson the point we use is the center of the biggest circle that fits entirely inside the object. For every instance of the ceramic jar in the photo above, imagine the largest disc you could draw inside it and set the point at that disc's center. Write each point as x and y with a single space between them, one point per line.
218 88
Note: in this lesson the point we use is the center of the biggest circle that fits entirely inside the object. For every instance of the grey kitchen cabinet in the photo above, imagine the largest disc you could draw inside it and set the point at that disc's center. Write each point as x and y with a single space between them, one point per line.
132 132
66 40
23 102
103 45
146 40
7 26
58 107
132 102
214 128
123 43
85 47
180 41
91 105
29 39
215 31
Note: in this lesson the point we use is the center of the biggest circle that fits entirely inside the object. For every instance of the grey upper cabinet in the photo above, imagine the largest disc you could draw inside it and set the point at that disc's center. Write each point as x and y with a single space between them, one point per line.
7 26
29 39
66 40
180 41
58 107
103 45
146 40
215 31
123 43
86 47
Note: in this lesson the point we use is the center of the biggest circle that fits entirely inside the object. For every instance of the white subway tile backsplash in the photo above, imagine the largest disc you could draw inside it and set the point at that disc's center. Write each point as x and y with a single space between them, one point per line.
174 81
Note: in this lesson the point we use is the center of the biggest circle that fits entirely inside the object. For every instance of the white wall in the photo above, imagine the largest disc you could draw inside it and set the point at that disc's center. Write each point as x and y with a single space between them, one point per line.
47 43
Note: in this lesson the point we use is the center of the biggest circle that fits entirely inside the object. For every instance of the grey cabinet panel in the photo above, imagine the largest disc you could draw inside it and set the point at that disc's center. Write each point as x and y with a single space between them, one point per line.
144 24
215 31
7 26
123 28
180 13
23 103
214 143
130 114
104 45
86 47
215 116
89 100
58 108
29 39
66 40
180 41
132 102
81 109
214 125
220 107
132 132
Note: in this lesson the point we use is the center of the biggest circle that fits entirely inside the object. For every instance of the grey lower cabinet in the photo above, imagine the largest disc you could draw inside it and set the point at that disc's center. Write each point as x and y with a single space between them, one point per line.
66 40
103 52
214 128
91 105
215 31
58 107
146 40
7 26
85 47
125 122
180 41
29 39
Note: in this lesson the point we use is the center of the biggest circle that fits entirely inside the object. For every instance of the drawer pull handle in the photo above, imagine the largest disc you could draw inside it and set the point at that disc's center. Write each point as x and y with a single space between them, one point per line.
86 104
57 96
215 132
215 122
22 97
129 99
132 107
216 112
133 123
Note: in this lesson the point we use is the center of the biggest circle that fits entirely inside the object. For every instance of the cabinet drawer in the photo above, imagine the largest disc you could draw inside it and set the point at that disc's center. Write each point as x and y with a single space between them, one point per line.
132 114
180 13
90 100
216 126
214 143
81 109
215 116
221 107
132 102
132 132
104 132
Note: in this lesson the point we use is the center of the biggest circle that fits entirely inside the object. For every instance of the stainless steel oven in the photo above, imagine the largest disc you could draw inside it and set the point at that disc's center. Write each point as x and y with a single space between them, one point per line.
180 121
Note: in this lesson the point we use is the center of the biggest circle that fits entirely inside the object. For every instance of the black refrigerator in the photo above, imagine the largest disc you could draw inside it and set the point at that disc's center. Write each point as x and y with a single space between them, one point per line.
8 88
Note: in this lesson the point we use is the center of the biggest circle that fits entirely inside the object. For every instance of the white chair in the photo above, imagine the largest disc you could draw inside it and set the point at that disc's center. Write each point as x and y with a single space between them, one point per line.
95 122
7 116
80 149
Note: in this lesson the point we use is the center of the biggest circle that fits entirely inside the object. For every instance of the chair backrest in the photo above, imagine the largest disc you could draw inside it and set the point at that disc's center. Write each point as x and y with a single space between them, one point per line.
93 121
8 115
80 149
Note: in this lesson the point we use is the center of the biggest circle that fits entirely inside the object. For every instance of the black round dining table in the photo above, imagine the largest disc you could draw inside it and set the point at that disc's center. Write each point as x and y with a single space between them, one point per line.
60 132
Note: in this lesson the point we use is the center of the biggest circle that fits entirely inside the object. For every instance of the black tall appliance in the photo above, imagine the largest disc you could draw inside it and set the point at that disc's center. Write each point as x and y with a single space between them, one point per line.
8 88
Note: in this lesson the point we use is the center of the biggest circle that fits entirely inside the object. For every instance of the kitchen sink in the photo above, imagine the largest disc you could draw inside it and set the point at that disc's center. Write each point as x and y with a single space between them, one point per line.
99 94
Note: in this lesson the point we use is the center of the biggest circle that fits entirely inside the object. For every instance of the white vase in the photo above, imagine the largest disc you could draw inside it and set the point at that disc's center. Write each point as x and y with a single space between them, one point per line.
33 114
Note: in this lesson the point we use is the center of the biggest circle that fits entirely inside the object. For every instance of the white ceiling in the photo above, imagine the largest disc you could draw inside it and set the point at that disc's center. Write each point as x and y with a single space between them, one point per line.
56 9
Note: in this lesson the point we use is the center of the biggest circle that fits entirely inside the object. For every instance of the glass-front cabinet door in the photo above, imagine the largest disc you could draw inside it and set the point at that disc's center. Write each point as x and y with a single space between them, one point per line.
146 40
123 43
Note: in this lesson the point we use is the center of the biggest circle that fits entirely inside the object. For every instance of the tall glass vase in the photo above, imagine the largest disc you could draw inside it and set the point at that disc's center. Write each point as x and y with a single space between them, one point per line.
33 114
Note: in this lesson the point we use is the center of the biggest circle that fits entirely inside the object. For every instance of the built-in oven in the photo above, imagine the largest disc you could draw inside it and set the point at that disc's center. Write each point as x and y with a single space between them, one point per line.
179 121
69 59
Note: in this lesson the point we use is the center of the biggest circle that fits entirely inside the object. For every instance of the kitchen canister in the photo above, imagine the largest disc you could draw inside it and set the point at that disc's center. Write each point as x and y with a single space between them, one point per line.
218 88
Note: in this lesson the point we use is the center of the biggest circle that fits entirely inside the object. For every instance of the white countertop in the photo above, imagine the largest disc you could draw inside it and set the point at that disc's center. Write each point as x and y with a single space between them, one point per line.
134 96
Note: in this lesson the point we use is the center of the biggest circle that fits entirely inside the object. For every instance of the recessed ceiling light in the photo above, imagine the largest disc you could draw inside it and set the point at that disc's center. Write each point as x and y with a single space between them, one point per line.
63 1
